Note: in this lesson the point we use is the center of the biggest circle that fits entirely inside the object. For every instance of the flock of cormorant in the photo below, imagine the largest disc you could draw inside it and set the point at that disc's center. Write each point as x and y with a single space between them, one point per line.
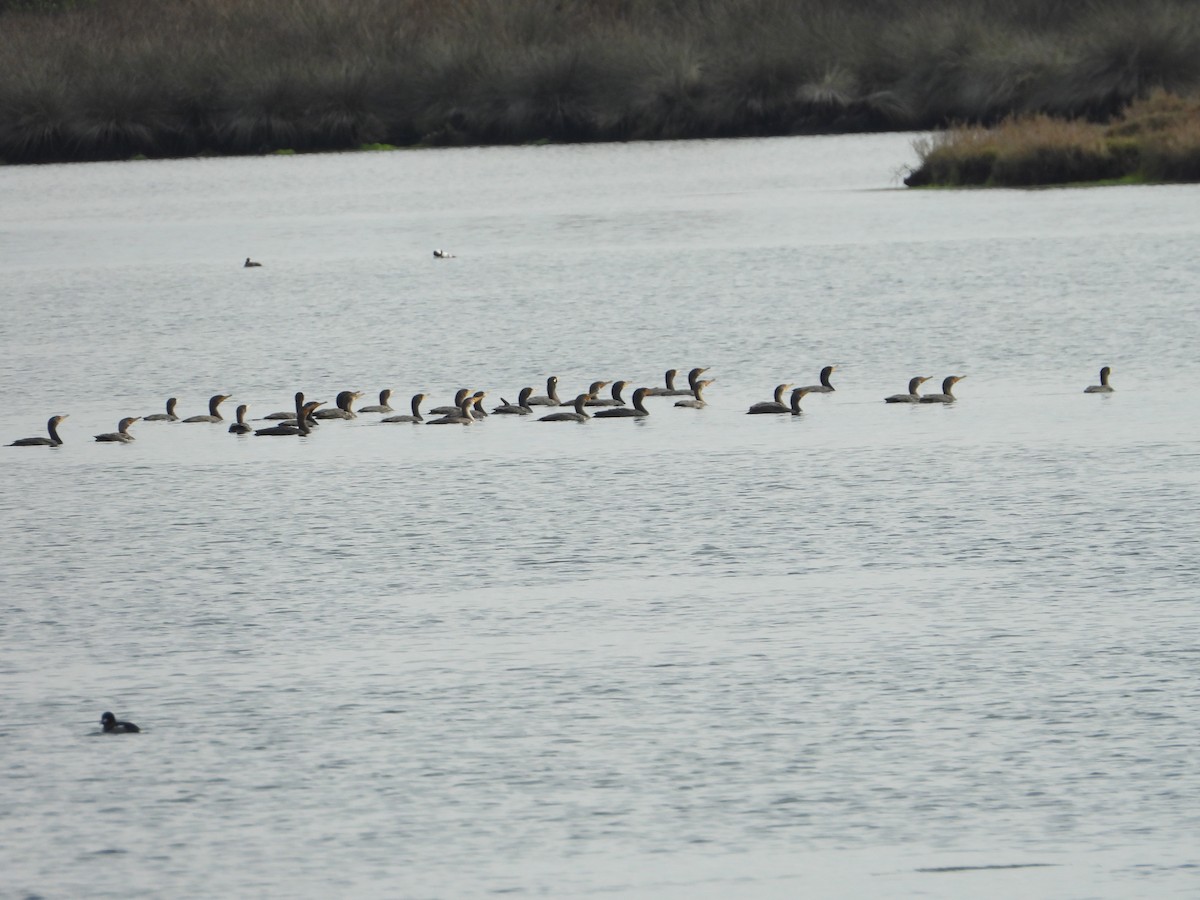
468 406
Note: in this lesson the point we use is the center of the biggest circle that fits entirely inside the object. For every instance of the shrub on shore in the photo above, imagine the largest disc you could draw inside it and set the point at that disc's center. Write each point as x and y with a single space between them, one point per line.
1154 140
110 79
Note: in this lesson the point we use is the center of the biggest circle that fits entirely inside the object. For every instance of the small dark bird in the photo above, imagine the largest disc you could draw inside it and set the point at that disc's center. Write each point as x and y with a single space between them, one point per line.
113 726
250 264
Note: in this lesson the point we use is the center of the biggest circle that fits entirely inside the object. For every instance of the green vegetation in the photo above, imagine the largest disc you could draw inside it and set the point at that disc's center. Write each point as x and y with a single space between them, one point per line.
1153 140
110 79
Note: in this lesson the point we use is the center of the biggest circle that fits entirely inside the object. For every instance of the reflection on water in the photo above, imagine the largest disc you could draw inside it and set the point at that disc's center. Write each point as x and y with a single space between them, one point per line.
870 649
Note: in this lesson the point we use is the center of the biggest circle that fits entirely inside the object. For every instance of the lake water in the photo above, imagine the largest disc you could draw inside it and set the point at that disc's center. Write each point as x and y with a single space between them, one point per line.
872 650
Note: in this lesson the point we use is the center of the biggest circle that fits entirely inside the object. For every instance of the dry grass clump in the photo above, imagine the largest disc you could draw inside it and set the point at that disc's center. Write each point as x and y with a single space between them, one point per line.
1157 139
107 79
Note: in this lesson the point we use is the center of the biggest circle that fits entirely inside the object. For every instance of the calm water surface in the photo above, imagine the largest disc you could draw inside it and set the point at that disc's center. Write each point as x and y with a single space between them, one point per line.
868 651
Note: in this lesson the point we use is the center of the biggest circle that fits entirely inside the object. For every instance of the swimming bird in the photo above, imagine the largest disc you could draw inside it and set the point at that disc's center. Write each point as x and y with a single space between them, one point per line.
382 406
693 377
947 394
459 396
250 264
580 414
240 426
1103 387
551 396
442 254
477 410
168 416
912 396
53 441
669 378
824 387
345 407
214 414
462 417
112 725
520 408
302 422
593 389
798 394
697 401
771 406
416 417
615 400
121 435
639 408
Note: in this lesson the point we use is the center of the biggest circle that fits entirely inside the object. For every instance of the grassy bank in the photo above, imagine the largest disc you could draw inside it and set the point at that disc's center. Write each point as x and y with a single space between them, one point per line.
1156 139
111 79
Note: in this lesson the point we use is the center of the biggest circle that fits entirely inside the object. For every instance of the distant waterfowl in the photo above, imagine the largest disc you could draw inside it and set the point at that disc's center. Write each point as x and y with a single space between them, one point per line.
214 414
669 378
301 425
639 408
462 417
112 725
551 396
771 406
697 401
798 394
250 264
520 408
121 435
580 414
947 394
459 396
912 396
382 406
693 377
593 389
52 441
1103 387
416 417
824 387
615 400
477 410
168 416
240 426
442 254
345 407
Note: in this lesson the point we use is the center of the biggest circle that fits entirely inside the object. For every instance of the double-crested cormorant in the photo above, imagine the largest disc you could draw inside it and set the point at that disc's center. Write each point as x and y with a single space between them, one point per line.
240 426
168 416
461 417
580 414
593 389
771 406
382 406
477 410
520 408
551 396
669 390
121 435
798 394
621 412
824 387
697 401
303 415
214 414
250 264
112 725
693 377
1103 387
459 396
615 400
416 417
912 396
345 407
53 441
947 394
